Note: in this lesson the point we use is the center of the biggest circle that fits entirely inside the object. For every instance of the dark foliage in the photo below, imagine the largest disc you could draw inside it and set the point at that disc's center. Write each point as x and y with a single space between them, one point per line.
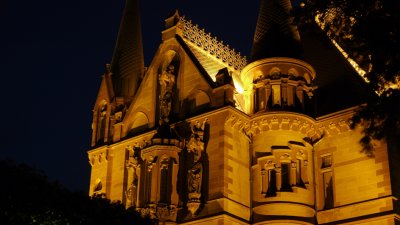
369 30
27 197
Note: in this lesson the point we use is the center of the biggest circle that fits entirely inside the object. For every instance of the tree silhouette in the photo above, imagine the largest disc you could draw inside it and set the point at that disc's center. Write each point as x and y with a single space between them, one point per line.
27 197
369 31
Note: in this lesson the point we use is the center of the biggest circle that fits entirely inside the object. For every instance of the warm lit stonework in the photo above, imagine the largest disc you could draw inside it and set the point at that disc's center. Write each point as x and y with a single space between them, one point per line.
204 136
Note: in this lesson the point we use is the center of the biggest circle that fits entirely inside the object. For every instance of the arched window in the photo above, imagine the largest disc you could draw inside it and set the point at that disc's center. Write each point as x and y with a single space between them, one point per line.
141 123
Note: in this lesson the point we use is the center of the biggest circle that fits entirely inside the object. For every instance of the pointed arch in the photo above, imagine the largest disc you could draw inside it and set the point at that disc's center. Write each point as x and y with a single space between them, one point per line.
140 123
202 99
196 102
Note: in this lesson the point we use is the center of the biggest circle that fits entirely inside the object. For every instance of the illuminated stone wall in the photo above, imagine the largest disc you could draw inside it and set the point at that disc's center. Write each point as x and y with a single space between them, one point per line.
360 185
199 148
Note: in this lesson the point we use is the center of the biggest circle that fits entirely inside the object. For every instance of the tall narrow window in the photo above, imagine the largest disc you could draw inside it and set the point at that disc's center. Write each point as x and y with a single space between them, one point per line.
290 95
276 95
147 183
327 181
261 104
299 180
328 190
285 174
264 186
271 183
165 182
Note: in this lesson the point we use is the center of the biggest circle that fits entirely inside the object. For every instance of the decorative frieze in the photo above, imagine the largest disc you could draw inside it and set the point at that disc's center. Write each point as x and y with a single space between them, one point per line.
211 45
268 122
290 122
336 127
98 158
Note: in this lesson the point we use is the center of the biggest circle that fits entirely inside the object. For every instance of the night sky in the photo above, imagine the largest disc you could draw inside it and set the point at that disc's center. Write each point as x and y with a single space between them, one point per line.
52 57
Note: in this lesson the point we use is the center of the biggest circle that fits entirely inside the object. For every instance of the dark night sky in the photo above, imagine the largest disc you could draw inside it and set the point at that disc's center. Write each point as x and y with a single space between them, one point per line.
52 56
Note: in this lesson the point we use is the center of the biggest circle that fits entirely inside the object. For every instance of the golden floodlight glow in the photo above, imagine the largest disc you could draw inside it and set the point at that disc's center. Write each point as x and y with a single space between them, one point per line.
238 86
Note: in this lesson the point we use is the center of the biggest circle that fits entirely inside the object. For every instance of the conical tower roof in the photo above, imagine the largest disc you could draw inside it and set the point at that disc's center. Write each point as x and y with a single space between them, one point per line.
128 63
275 35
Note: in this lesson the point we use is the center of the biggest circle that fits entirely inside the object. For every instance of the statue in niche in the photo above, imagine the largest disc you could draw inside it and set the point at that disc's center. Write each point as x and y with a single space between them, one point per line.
131 193
196 146
194 182
167 84
132 165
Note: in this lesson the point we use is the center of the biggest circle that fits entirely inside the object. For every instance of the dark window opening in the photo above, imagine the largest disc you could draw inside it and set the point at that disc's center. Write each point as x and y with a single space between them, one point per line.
285 174
328 190
271 192
299 180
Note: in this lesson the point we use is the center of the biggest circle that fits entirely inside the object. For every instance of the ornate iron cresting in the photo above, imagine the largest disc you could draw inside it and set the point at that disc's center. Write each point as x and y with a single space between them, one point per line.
211 45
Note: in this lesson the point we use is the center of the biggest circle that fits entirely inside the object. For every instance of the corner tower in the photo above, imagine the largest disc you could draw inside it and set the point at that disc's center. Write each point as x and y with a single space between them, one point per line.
276 79
278 91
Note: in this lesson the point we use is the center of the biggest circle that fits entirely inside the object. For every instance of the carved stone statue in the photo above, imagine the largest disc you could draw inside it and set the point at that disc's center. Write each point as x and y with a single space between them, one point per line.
167 83
194 181
132 165
196 147
131 192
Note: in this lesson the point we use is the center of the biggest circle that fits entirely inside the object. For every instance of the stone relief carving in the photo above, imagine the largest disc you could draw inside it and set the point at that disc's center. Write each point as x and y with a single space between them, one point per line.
132 165
166 212
98 158
131 192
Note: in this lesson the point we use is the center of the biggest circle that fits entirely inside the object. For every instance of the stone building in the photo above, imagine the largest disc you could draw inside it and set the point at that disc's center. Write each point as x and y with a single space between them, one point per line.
204 136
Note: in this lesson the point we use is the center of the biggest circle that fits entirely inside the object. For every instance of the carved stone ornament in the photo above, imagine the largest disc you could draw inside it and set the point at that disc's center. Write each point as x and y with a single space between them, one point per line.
165 212
270 122
196 146
211 45
194 182
98 158
150 211
193 207
131 193
167 83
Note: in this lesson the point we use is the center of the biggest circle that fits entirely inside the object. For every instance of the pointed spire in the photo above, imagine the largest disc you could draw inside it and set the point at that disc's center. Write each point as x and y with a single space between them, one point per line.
275 35
128 64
